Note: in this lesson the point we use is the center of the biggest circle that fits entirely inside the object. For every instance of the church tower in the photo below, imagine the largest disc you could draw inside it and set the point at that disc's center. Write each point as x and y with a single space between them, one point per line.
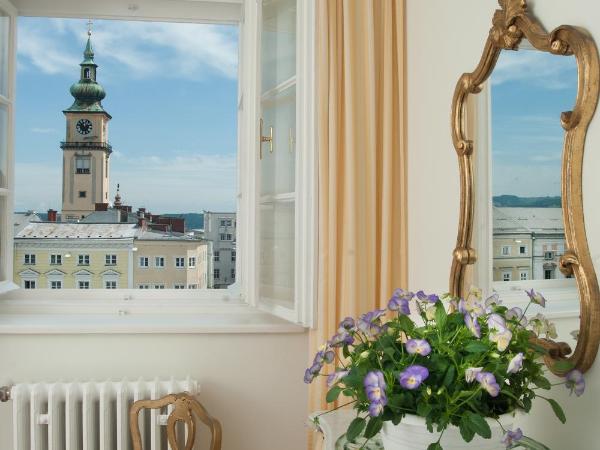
86 150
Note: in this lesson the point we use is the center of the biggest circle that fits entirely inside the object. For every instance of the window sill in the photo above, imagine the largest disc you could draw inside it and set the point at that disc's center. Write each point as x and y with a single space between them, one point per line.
124 312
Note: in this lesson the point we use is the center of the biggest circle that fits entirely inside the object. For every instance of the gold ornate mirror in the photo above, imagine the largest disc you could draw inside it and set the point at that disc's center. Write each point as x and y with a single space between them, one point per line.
512 27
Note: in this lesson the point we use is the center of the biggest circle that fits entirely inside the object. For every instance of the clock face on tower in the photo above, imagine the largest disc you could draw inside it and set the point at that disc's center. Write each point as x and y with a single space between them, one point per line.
83 126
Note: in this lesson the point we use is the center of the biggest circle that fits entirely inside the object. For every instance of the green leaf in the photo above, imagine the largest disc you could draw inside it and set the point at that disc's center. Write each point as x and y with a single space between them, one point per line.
355 428
440 314
449 377
557 409
526 404
435 446
530 444
373 427
390 351
542 382
466 431
333 394
479 425
406 324
476 347
423 409
563 365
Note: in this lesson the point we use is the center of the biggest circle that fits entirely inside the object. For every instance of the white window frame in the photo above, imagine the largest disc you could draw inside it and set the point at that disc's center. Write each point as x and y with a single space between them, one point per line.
58 283
86 283
192 261
505 250
179 259
143 262
83 259
109 258
244 293
523 275
179 286
111 282
31 257
562 292
57 258
161 259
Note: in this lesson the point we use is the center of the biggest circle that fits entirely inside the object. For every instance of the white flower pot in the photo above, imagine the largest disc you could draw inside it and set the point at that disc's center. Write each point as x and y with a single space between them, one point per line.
412 434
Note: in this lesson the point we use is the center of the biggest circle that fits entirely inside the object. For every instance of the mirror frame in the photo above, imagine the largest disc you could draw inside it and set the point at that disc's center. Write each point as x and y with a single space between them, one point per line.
510 25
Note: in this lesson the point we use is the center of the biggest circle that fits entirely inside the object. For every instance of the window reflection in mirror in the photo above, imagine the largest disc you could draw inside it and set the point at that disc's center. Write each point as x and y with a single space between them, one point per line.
529 90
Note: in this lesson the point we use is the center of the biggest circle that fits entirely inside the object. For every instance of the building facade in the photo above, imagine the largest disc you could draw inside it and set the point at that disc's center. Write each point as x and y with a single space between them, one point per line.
527 243
86 150
220 230
170 261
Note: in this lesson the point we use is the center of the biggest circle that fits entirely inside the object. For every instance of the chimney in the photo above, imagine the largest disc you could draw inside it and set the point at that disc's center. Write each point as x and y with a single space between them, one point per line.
142 223
51 215
101 207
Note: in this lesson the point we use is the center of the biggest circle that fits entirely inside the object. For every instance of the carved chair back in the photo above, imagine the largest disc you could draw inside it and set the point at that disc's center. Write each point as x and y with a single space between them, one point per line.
185 409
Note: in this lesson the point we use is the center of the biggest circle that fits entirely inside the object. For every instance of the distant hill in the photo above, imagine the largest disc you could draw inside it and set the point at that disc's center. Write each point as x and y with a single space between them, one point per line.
514 201
192 220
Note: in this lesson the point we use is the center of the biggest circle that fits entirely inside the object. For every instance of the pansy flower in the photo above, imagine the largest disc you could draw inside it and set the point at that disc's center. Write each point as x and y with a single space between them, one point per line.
487 380
412 377
473 325
536 298
335 377
515 364
418 346
370 323
575 382
511 437
400 301
501 338
471 373
429 298
496 322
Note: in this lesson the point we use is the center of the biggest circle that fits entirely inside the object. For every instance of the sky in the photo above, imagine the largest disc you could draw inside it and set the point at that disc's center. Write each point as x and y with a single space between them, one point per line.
530 89
172 94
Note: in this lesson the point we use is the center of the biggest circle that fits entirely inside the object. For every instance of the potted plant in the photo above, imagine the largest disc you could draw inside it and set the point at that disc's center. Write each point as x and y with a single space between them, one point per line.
460 368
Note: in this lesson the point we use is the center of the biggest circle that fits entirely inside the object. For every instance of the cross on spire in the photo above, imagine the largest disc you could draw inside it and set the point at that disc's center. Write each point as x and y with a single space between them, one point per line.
90 24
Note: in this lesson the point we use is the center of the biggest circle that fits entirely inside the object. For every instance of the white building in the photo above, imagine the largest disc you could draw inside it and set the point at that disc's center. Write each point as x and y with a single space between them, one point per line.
220 229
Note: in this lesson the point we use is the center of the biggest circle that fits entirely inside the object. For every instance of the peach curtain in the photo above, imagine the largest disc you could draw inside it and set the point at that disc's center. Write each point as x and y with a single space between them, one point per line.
362 162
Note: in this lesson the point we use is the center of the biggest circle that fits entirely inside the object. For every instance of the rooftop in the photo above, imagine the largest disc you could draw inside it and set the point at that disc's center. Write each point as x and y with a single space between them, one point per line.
67 230
528 220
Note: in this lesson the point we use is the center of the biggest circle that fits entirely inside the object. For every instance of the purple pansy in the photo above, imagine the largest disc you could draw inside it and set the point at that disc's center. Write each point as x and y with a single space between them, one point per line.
493 299
343 337
496 322
324 356
335 377
473 325
512 437
536 298
400 301
370 323
575 382
516 313
471 306
430 298
412 377
418 346
487 380
348 324
471 373
311 373
375 390
515 364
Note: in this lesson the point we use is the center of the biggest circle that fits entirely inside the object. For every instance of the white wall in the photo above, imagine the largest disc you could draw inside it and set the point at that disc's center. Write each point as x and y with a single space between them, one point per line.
445 39
252 383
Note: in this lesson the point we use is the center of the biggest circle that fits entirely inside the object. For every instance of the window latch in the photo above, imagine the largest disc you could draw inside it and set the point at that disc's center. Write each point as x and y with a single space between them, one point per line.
264 138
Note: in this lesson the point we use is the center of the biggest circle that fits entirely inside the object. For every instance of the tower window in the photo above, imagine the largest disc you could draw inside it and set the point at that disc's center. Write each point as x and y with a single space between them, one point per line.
86 73
82 165
82 194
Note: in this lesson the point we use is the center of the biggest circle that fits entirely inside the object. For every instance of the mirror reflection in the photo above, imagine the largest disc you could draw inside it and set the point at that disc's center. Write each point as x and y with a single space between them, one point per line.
529 90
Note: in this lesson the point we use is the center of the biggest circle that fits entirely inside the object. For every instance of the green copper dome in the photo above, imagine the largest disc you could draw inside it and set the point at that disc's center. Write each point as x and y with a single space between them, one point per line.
87 92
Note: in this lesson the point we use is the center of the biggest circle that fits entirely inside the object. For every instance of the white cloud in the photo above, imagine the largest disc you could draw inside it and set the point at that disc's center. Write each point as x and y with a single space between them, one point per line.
44 130
548 71
177 184
138 49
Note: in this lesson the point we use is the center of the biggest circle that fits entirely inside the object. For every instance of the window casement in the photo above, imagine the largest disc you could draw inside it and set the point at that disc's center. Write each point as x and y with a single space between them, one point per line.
505 250
216 256
233 256
506 276
216 274
179 262
29 259
522 250
523 275
56 284
56 259
29 284
82 166
192 286
110 284
159 262
144 262
232 274
158 286
548 255
179 286
83 260
548 274
276 197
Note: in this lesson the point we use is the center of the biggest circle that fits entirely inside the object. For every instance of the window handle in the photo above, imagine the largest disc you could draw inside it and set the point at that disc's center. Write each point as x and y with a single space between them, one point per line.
264 138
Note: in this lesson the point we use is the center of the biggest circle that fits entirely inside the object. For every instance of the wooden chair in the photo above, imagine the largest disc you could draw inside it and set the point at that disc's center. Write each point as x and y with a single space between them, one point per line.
185 407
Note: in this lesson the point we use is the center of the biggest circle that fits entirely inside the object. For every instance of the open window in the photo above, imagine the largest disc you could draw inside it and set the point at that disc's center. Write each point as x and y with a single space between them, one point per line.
266 252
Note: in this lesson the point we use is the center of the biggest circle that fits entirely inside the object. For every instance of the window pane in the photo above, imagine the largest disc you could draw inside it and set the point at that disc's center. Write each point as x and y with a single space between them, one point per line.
277 252
3 275
4 52
278 42
3 146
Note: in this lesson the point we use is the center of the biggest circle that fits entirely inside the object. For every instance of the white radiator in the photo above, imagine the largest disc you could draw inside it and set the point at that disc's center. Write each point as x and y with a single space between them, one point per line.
89 415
